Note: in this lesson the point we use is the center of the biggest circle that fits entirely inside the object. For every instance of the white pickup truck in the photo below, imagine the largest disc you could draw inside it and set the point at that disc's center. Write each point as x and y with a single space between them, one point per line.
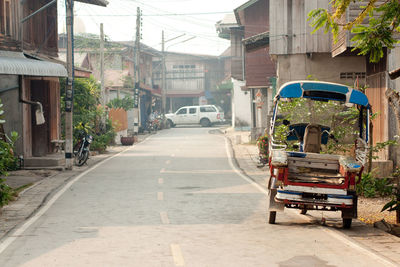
205 115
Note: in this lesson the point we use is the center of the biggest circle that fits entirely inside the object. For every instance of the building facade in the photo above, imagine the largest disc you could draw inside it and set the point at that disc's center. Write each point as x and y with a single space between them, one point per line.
29 78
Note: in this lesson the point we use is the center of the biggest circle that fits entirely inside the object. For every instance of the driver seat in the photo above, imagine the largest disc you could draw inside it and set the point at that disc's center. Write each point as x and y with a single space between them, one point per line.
312 138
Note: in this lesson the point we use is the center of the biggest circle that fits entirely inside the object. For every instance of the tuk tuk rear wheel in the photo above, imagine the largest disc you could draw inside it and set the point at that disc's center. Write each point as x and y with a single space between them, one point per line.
272 217
347 223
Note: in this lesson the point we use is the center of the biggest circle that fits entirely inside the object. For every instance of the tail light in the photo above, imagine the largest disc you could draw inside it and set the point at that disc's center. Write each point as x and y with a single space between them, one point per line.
218 116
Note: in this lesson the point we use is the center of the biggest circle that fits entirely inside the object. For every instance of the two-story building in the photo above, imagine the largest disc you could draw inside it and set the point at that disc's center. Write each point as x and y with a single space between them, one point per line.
190 78
251 64
119 72
29 77
29 85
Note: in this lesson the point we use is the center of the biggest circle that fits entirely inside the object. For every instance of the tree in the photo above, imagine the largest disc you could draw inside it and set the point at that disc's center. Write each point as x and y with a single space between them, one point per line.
88 112
370 38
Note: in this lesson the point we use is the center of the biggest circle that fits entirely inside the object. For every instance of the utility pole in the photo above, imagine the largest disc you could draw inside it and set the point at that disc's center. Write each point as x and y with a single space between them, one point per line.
163 83
103 93
69 92
163 71
137 74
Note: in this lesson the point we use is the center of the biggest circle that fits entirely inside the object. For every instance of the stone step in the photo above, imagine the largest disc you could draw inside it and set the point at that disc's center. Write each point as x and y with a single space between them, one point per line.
55 160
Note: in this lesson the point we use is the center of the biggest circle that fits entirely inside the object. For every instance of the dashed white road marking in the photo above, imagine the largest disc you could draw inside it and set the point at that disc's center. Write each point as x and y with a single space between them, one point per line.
160 196
160 180
164 217
177 255
199 171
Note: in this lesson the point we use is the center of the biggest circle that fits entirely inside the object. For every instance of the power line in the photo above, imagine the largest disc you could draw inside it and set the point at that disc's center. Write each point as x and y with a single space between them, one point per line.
155 15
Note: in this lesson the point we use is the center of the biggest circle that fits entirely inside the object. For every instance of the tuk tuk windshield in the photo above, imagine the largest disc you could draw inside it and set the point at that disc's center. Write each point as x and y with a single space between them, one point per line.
337 122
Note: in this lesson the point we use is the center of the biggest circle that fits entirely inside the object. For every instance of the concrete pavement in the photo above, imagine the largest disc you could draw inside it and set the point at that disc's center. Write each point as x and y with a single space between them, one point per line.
363 236
40 186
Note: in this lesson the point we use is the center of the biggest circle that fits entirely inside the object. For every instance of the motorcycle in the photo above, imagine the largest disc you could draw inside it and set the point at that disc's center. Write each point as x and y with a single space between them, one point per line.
81 149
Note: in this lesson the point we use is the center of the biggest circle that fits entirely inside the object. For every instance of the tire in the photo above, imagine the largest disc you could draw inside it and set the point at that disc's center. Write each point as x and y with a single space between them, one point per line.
272 217
170 124
80 160
347 223
303 211
205 122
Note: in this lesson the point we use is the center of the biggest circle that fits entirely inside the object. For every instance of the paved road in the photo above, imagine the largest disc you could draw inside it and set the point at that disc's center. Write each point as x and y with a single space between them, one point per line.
174 200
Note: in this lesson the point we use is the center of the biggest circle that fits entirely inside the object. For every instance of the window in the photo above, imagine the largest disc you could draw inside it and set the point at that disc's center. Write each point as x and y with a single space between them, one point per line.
352 75
5 17
2 17
182 111
207 109
192 110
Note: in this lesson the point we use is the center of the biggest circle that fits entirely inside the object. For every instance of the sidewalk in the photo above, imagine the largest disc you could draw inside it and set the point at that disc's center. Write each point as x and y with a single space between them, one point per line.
367 237
40 186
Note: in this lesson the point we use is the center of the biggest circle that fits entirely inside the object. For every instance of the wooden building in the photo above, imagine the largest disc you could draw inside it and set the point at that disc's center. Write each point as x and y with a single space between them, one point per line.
190 78
26 79
301 55
253 17
29 77
375 76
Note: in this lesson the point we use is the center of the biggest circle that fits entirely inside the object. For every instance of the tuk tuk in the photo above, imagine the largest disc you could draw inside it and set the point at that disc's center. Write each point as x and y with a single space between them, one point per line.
318 148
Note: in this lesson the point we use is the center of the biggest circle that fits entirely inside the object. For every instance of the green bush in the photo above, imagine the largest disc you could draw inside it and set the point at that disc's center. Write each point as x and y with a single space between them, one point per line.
88 111
7 161
125 103
372 187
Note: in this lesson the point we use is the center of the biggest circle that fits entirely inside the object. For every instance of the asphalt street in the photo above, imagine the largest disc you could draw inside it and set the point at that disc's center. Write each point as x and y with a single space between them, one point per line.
176 199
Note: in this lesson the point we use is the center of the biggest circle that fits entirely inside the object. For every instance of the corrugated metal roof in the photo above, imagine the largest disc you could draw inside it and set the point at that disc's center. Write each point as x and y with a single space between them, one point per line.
16 63
94 2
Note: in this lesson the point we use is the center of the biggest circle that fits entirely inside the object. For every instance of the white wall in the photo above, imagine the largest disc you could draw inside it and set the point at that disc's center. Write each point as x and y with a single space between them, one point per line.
241 105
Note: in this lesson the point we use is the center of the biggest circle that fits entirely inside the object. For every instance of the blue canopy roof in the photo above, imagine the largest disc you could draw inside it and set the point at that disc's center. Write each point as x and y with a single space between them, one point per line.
323 91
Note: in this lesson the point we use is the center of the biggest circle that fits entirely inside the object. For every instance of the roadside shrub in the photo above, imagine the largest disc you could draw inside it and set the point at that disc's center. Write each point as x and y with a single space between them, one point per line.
373 187
7 161
88 111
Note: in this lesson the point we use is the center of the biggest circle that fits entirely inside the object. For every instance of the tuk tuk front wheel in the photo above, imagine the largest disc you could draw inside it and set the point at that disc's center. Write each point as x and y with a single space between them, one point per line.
272 217
347 223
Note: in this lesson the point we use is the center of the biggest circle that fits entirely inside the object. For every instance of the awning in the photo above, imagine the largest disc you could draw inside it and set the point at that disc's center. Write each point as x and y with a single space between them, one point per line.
78 71
186 93
17 64
394 74
94 2
256 41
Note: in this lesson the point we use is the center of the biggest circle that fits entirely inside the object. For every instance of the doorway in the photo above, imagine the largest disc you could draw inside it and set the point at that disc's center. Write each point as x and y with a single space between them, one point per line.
40 133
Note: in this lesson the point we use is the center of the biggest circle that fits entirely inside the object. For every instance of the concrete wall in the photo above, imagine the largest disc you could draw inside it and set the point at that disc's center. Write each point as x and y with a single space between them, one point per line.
321 65
393 64
241 106
12 108
261 115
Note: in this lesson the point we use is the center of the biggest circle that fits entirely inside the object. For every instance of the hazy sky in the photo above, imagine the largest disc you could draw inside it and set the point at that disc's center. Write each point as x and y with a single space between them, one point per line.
193 18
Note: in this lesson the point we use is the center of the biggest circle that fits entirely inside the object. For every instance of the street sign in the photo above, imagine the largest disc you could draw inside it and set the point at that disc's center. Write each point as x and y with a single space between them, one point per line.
258 99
